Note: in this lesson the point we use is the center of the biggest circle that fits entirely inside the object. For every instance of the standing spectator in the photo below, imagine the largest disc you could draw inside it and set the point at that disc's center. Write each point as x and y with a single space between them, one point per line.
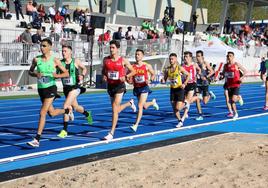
118 35
26 39
130 40
76 15
165 21
18 9
90 40
3 9
227 25
194 20
103 40
30 9
258 45
36 38
145 25
52 13
170 29
58 26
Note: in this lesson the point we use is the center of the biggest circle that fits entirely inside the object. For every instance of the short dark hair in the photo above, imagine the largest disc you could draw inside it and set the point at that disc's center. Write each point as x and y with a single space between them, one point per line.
140 50
230 53
188 52
48 40
67 46
115 42
200 52
173 55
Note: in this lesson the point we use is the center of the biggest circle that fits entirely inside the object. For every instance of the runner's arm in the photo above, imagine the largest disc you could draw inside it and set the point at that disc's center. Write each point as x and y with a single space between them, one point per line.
240 67
64 73
32 68
130 68
186 74
151 71
80 65
211 71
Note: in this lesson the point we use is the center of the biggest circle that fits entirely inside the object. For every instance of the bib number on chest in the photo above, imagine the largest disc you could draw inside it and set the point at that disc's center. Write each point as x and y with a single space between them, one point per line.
113 75
44 80
229 74
67 81
173 82
139 79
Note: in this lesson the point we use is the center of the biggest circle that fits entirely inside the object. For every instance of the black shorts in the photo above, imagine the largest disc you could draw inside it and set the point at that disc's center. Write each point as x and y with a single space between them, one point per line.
68 89
137 91
202 90
190 87
266 78
113 89
225 86
233 91
49 92
177 94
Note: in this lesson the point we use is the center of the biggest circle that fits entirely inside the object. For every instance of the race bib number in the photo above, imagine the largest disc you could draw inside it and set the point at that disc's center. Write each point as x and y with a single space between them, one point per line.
44 80
139 79
113 75
67 81
229 75
173 82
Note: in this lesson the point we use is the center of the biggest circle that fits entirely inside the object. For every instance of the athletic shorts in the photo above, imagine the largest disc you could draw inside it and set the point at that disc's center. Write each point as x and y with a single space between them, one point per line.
202 90
177 94
266 78
137 91
233 91
190 87
49 92
225 86
68 89
113 89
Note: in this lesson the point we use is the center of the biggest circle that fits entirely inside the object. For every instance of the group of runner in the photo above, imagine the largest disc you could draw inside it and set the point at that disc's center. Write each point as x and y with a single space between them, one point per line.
189 83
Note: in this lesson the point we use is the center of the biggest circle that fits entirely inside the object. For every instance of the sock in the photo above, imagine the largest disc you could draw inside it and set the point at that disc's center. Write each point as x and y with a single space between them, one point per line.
37 137
67 111
86 113
65 126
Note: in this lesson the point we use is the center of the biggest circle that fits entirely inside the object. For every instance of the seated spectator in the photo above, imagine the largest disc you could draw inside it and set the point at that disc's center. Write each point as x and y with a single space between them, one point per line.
58 18
65 13
41 11
3 9
37 22
36 38
76 15
82 18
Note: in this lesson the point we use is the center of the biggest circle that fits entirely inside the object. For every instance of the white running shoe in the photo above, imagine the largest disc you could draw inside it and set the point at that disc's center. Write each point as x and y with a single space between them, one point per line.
241 101
34 143
180 124
109 136
133 105
134 127
235 116
155 105
213 96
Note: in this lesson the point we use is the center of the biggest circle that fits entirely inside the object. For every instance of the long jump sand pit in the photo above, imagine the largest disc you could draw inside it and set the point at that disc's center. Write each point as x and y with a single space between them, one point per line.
227 160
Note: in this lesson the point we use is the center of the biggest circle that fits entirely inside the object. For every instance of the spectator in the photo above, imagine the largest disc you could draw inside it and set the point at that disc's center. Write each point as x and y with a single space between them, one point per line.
18 9
170 29
26 39
130 40
36 38
41 12
118 35
194 20
37 22
165 21
103 40
145 25
227 25
76 15
29 9
90 40
52 13
58 18
58 26
82 17
65 13
3 9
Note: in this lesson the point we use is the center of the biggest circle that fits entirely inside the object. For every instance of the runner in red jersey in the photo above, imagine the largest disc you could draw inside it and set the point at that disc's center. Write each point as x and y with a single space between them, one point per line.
113 72
231 71
192 68
141 89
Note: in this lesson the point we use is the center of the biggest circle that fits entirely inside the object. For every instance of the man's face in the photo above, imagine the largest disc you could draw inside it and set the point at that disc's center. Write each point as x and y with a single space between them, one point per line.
199 57
187 58
172 60
138 56
113 49
230 57
66 52
45 47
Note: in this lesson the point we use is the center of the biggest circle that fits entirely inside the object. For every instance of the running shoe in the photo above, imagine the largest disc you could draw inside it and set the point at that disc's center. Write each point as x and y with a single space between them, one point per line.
134 127
265 108
34 143
62 134
199 118
235 116
230 115
180 124
155 105
241 101
109 136
71 115
133 107
213 96
89 118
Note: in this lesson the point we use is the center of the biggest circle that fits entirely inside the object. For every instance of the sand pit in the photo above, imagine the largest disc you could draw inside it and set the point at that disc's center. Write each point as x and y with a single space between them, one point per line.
229 160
